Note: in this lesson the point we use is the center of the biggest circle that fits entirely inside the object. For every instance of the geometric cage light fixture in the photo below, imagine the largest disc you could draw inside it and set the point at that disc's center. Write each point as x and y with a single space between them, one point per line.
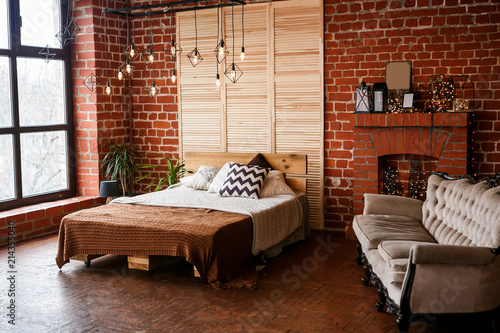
173 49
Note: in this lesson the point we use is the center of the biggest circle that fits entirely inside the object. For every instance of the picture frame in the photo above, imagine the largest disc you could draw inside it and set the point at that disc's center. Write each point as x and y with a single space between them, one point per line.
408 100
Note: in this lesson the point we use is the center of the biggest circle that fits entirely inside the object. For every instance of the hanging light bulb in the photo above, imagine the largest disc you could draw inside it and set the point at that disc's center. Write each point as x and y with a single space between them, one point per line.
120 73
153 90
173 48
151 56
217 82
242 55
128 67
221 49
195 57
173 78
233 73
108 88
131 52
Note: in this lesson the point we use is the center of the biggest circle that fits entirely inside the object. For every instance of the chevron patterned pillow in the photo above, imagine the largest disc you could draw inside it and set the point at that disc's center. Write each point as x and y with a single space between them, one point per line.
244 181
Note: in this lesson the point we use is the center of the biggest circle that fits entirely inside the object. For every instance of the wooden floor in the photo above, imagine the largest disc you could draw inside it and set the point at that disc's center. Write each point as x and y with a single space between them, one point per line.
305 289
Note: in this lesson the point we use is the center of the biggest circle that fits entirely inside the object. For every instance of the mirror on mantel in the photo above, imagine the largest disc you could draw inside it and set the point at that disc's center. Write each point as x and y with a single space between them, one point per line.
398 76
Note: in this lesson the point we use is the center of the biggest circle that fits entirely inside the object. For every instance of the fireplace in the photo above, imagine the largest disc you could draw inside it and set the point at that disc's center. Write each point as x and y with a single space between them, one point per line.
396 141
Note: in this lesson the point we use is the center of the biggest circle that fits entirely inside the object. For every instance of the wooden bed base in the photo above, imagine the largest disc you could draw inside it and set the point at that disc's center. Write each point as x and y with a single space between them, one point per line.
294 166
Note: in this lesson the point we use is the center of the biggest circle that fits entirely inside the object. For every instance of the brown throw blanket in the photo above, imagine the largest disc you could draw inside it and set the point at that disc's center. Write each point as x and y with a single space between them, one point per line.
218 243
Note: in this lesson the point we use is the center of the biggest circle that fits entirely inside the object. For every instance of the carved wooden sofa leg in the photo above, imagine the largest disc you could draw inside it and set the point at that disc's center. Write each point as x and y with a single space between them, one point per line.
403 321
368 274
383 298
359 259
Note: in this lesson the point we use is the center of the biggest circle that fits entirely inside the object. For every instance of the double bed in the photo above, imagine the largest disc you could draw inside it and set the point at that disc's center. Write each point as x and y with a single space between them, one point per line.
222 237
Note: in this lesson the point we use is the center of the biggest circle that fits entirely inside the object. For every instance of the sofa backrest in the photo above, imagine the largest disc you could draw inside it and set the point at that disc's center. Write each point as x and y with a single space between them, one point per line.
457 212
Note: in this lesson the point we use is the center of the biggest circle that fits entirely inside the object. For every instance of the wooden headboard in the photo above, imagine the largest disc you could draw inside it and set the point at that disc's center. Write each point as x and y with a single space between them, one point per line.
292 165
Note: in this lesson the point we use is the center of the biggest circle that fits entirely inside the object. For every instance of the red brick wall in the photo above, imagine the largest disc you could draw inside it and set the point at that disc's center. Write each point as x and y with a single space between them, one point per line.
438 36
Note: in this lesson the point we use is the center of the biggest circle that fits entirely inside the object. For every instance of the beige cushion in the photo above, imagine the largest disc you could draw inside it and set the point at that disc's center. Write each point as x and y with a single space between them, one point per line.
275 185
373 229
396 255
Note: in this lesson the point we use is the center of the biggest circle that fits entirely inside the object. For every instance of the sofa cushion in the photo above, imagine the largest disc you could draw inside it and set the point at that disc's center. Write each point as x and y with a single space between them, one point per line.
396 254
373 229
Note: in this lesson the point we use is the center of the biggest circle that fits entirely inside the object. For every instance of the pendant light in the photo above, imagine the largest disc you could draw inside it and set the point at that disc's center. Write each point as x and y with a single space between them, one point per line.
126 68
233 72
195 56
172 49
120 67
242 54
148 55
131 50
108 86
153 90
221 50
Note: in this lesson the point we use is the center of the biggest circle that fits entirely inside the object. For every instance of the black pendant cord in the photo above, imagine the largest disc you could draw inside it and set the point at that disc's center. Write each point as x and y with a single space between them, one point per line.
232 19
217 41
128 28
242 29
221 21
172 24
218 24
195 29
106 44
172 41
151 42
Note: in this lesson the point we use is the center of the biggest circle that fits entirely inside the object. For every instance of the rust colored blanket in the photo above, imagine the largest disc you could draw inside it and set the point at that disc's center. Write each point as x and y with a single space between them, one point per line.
218 243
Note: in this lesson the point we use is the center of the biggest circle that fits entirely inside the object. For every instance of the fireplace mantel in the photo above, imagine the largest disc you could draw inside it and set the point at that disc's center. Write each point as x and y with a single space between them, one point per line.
442 119
441 136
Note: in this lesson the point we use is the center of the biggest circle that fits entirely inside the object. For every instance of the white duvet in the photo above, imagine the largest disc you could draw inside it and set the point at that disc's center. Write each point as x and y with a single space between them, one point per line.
274 218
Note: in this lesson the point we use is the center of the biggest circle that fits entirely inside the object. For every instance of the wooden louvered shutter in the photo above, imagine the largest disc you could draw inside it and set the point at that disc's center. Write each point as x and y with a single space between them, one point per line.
298 91
277 105
199 97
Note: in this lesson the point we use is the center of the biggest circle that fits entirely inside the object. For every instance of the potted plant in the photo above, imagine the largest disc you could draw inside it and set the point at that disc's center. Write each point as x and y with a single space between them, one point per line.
170 176
119 163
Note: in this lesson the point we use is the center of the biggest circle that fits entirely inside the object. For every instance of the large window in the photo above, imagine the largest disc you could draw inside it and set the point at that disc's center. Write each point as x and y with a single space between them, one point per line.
36 123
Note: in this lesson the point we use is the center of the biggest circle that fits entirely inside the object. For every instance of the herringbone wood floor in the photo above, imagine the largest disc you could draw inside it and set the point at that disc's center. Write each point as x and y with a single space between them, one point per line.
305 289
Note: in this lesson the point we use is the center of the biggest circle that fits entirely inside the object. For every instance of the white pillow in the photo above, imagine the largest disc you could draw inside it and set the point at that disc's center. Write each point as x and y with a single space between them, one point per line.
203 177
275 185
186 180
219 180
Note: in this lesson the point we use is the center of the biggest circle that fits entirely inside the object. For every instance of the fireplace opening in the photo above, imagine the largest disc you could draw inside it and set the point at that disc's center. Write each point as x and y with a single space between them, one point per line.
405 174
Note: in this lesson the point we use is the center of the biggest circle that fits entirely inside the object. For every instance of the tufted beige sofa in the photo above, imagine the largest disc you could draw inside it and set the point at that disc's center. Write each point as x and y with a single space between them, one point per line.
433 257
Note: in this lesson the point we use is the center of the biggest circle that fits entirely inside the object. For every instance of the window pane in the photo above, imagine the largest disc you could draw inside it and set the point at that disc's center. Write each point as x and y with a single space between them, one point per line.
41 92
4 25
5 95
44 162
41 22
7 186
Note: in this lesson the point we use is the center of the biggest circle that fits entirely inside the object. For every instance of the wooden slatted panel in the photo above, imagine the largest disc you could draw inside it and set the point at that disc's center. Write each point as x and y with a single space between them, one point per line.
277 105
298 89
199 97
247 108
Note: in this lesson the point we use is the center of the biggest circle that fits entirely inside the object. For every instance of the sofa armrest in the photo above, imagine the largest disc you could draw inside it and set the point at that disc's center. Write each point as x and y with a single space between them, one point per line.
450 279
385 204
451 254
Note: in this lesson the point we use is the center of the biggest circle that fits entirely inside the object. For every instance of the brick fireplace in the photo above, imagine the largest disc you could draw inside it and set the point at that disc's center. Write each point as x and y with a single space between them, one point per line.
440 137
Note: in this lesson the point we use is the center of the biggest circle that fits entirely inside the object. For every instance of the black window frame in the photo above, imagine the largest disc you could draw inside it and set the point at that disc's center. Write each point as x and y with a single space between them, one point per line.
14 51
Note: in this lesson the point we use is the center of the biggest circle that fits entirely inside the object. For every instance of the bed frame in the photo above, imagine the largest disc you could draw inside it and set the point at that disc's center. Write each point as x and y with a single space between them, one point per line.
294 166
